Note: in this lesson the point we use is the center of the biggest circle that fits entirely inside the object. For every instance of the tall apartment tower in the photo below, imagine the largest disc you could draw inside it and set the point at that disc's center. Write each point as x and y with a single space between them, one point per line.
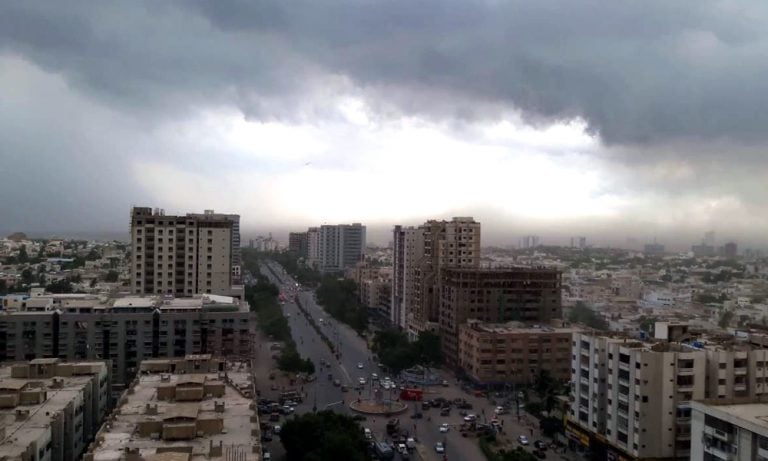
184 255
631 399
237 262
408 253
313 246
447 244
298 243
340 246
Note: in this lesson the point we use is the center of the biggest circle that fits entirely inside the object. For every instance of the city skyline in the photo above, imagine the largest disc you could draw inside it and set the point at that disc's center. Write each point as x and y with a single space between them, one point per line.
534 118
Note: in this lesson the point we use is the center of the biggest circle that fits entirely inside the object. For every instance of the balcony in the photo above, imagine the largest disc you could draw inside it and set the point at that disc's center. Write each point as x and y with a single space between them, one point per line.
740 371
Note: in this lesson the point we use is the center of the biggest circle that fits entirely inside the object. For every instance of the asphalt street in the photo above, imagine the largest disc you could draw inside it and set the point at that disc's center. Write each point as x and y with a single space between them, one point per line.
322 394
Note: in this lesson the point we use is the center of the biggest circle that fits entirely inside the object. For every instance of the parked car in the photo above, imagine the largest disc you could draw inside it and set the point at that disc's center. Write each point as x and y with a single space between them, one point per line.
444 428
445 411
470 418
277 429
540 444
523 440
439 447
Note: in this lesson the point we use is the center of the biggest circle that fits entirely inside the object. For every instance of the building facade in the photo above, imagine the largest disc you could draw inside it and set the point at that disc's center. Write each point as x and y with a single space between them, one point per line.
51 410
298 242
446 244
631 399
730 429
339 247
496 296
408 255
185 255
497 354
128 330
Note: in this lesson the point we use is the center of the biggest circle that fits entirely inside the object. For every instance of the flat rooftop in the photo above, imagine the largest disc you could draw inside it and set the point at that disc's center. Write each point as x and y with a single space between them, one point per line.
750 413
143 404
517 328
21 431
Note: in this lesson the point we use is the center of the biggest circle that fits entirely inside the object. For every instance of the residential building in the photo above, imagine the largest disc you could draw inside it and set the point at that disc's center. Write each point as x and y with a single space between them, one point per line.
495 295
51 410
235 247
529 241
340 246
298 243
654 249
313 246
729 429
730 250
513 353
127 330
578 242
196 408
408 254
447 244
185 255
631 398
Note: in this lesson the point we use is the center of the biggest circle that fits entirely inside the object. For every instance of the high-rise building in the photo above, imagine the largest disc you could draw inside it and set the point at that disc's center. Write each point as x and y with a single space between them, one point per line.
654 249
408 254
495 295
298 242
235 251
730 250
529 241
578 242
51 410
447 244
185 255
632 398
313 246
340 246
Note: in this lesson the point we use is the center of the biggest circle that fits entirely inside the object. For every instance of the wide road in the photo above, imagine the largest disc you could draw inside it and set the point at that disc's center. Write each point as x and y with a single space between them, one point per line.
354 351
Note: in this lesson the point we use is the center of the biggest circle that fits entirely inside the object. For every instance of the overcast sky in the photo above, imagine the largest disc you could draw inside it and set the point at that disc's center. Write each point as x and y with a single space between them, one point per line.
608 119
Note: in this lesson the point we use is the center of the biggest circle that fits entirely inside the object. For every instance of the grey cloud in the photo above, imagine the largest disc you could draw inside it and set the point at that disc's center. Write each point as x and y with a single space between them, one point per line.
643 73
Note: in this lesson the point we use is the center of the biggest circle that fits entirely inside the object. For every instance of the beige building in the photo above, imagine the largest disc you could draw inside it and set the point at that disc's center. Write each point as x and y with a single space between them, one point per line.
195 408
493 353
185 255
127 330
50 410
495 295
632 398
420 254
730 429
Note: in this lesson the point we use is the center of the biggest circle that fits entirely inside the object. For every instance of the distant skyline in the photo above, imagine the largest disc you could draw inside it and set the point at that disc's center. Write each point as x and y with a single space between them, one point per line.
556 118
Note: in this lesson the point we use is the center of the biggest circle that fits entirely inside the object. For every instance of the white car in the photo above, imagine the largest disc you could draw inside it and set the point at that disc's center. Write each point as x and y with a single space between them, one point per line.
523 440
361 381
439 447
374 376
368 434
386 385
444 427
277 429
360 365
470 418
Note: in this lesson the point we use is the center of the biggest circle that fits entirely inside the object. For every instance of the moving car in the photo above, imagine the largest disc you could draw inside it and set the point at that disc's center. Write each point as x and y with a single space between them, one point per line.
361 380
470 418
439 447
360 365
444 427
277 429
523 440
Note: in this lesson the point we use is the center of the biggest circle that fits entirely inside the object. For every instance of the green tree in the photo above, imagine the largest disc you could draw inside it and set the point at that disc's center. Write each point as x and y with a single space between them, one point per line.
547 388
550 426
321 436
581 313
427 348
26 276
93 255
725 319
23 257
112 276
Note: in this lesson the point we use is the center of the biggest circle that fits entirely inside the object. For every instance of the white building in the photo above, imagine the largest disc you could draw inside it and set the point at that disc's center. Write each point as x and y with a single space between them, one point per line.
340 246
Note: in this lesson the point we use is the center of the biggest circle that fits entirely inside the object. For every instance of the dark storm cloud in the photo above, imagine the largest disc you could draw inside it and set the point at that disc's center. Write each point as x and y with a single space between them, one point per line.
637 72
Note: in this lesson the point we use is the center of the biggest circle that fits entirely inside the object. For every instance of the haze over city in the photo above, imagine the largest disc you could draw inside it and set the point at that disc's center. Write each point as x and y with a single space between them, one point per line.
604 119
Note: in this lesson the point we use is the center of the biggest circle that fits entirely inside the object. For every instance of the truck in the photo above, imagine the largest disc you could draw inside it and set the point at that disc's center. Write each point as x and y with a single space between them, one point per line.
383 451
